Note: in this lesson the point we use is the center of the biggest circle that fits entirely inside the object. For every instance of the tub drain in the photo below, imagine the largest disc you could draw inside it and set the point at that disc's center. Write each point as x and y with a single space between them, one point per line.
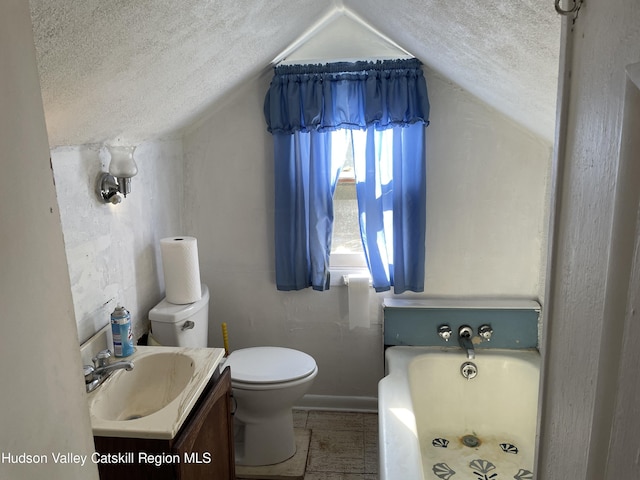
469 370
133 417
470 441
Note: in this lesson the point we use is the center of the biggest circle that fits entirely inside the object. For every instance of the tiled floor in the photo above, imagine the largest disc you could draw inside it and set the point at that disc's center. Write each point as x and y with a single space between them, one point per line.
344 446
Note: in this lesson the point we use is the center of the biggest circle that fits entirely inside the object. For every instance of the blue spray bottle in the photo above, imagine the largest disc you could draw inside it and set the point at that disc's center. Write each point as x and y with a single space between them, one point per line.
122 334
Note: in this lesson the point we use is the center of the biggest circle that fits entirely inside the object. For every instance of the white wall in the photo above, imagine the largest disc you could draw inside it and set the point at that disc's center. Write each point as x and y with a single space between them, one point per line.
113 250
486 193
42 401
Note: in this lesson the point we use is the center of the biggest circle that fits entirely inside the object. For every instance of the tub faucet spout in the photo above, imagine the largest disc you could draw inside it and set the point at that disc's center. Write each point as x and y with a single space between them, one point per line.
464 338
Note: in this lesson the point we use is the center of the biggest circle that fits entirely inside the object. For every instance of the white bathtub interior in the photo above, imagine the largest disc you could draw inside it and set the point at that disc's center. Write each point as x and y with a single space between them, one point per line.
437 424
431 416
496 410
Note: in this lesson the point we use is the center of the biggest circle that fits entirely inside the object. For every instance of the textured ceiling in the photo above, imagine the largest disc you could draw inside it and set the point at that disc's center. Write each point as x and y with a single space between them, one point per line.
130 71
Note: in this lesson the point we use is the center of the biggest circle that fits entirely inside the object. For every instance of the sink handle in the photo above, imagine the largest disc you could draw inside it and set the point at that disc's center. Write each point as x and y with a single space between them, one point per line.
102 358
88 370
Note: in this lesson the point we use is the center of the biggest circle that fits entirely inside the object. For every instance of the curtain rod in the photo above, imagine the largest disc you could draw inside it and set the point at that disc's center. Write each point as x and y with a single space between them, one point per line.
324 60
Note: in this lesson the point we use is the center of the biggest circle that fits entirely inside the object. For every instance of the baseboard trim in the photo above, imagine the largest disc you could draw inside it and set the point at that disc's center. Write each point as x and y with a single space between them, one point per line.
338 403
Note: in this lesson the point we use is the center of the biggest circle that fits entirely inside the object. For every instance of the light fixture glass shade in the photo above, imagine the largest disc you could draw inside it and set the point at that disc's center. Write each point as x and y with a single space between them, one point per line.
122 164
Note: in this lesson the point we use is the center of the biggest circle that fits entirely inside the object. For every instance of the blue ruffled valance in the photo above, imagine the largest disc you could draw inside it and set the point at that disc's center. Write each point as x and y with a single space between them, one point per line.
383 94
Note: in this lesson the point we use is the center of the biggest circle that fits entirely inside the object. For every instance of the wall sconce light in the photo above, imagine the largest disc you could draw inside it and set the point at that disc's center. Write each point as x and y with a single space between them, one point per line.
118 181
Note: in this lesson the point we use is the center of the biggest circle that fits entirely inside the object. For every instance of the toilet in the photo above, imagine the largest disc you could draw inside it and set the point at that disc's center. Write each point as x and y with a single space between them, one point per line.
266 382
181 325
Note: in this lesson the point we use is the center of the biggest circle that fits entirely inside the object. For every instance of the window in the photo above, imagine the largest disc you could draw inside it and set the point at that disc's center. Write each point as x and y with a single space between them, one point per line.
385 107
346 243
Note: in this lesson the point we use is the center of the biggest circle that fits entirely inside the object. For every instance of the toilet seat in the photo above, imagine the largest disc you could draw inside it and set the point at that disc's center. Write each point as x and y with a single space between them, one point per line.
269 365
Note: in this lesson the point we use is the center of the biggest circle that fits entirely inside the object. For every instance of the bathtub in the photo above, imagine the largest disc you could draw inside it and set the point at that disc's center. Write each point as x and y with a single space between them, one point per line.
436 424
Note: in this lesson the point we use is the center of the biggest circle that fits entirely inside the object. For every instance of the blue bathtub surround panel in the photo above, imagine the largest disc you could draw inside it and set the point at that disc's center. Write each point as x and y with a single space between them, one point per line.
416 322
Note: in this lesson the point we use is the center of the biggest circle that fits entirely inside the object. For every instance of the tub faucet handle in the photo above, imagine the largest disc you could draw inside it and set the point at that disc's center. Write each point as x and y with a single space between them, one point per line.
445 332
485 331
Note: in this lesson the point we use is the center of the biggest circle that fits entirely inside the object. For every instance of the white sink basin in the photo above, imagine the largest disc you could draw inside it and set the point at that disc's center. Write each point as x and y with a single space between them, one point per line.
153 399
155 382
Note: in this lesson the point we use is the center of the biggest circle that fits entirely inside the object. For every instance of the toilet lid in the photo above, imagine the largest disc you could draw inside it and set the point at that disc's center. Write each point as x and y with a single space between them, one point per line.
269 365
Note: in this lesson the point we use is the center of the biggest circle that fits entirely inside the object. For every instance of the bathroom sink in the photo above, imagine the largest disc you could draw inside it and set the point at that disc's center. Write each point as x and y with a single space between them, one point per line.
153 399
155 382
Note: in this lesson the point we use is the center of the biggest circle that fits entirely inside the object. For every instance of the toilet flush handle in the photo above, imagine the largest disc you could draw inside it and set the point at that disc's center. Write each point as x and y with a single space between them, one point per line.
188 325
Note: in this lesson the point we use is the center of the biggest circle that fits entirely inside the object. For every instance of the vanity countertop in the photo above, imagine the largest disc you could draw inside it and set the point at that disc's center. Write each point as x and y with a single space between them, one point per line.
167 421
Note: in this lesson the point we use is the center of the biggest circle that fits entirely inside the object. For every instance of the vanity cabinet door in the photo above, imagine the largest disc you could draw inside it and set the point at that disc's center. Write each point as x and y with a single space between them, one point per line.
207 440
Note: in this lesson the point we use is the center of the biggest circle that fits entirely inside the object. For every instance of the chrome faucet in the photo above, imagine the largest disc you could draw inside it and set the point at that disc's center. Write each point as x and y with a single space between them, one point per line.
464 338
96 374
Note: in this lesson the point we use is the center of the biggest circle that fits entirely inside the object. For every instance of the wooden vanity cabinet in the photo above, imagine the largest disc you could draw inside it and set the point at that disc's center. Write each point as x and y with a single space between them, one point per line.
207 438
202 449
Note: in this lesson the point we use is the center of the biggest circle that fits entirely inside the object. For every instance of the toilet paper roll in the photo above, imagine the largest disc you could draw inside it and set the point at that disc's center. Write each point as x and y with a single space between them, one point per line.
181 269
358 288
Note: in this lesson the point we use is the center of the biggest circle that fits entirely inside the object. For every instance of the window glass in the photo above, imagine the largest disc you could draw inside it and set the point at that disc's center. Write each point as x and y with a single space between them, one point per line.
346 244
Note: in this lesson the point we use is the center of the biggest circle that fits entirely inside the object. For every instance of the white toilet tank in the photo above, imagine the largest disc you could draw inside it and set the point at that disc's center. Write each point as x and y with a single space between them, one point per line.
181 325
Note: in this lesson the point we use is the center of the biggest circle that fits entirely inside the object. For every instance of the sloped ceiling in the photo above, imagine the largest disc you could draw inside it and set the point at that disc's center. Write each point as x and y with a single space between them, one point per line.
127 71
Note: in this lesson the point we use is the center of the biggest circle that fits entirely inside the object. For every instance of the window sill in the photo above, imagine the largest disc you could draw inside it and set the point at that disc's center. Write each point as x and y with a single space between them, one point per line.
340 275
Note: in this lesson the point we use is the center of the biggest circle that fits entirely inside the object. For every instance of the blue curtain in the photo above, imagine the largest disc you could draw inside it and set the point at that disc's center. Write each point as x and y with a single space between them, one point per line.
304 187
391 192
303 105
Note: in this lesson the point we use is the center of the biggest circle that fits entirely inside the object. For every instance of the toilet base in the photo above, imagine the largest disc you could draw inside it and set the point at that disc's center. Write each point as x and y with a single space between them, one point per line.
265 443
